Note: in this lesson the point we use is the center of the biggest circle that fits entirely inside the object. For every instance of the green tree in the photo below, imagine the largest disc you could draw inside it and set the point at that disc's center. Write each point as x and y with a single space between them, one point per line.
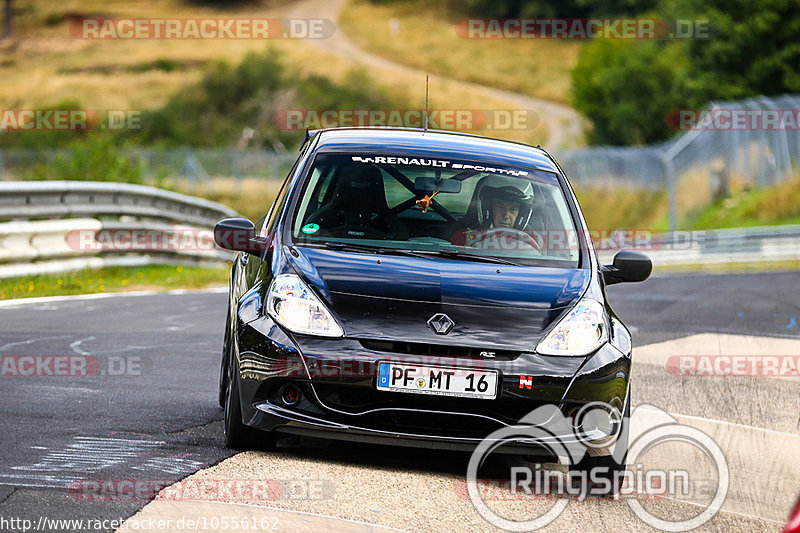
97 157
47 138
546 8
754 48
626 89
607 8
229 99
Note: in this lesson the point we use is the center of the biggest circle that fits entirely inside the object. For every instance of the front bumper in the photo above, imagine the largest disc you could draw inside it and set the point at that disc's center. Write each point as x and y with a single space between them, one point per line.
339 399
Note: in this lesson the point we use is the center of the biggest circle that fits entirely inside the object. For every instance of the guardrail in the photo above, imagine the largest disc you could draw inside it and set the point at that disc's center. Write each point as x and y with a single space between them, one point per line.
117 224
61 199
709 247
124 224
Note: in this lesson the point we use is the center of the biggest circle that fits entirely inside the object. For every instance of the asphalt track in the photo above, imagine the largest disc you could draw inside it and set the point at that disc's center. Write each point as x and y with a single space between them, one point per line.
150 410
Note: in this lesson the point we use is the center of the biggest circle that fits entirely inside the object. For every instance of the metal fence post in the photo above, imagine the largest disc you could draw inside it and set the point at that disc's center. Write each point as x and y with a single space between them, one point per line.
669 168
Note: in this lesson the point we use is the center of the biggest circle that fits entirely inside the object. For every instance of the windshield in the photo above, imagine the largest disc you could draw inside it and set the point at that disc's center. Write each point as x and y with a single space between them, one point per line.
409 204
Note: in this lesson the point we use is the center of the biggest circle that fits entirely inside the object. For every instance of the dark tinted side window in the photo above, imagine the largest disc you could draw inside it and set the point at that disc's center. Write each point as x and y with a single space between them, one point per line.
280 200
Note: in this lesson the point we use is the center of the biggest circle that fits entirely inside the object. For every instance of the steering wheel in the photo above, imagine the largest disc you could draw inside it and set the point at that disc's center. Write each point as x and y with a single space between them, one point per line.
504 234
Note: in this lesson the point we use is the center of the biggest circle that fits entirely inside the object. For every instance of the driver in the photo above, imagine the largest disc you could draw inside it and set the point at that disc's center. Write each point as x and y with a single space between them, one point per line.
504 211
500 203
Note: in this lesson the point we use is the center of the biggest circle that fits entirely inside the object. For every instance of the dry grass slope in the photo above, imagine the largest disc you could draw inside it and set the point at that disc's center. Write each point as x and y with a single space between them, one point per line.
425 38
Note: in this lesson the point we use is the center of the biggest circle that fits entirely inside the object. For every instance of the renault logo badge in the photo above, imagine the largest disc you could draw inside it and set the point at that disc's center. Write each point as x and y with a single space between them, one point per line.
441 324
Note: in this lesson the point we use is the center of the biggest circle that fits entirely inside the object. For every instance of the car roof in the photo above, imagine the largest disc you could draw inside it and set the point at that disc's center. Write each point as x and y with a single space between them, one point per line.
432 143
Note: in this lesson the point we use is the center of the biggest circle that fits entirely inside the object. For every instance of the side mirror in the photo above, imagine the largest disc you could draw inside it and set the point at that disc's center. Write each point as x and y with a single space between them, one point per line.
627 266
239 235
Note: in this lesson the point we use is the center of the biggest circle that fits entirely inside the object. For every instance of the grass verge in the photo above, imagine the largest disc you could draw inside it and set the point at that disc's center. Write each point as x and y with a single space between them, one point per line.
610 209
114 279
250 197
779 204
729 268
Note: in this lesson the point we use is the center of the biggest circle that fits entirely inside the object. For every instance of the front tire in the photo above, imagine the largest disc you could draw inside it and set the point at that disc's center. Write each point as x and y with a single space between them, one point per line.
223 365
605 467
238 436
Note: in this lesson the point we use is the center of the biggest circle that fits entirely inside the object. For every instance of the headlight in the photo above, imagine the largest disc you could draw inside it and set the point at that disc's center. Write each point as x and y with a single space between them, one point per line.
580 332
297 308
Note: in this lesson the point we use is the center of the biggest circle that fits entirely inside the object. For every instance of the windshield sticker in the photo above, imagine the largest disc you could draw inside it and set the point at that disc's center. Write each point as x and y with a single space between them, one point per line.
438 163
310 228
493 170
403 161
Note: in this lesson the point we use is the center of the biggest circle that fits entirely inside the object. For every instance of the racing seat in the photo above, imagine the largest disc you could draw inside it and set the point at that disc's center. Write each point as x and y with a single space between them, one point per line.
470 218
357 207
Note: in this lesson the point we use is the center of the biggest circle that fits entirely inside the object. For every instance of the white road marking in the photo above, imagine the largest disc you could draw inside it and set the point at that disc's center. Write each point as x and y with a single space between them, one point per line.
104 295
285 520
31 341
723 510
734 424
171 465
306 513
75 345
85 455
714 344
764 463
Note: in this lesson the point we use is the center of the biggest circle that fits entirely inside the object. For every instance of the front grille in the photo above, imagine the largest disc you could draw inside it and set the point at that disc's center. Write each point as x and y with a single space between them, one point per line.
435 350
359 399
421 422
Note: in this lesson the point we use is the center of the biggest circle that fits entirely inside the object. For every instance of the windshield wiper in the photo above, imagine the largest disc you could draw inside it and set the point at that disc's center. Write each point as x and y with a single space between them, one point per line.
450 254
348 247
456 254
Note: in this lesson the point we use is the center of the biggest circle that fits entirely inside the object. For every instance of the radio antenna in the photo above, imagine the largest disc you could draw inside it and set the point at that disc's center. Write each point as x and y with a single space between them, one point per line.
426 102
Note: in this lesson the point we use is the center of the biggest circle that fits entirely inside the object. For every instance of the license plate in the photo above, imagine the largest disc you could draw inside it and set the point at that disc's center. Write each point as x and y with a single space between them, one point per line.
438 380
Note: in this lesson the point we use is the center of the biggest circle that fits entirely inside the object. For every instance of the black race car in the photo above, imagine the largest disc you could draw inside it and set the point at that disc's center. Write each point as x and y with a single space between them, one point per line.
420 288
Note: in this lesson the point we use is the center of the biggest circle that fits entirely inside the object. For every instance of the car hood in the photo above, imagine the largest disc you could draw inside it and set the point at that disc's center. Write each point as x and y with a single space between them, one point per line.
391 298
